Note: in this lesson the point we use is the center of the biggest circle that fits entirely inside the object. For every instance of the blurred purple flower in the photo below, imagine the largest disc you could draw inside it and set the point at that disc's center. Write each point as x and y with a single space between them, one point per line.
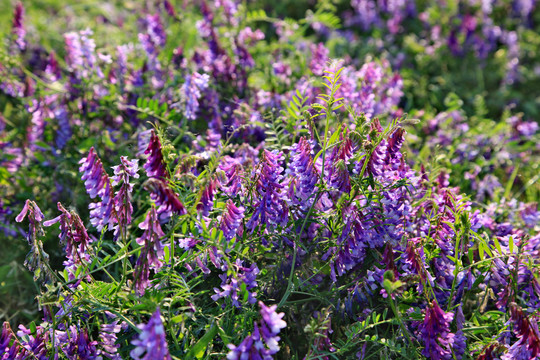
151 343
18 26
526 329
80 54
191 90
6 351
108 338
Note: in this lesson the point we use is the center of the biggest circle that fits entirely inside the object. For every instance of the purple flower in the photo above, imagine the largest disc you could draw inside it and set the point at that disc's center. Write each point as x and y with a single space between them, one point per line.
460 340
435 333
64 129
165 198
94 175
233 170
6 351
530 215
303 169
153 39
207 197
33 345
319 59
122 200
263 342
108 339
80 54
231 285
75 343
269 203
191 93
155 165
231 220
74 236
97 183
40 112
152 250
37 258
18 27
151 343
526 329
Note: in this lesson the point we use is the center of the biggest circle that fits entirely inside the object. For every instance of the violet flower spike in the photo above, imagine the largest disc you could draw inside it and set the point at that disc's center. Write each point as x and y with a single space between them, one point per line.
270 205
75 237
151 343
122 200
152 250
7 335
263 342
435 333
97 183
302 167
37 258
191 91
155 165
18 27
231 220
165 198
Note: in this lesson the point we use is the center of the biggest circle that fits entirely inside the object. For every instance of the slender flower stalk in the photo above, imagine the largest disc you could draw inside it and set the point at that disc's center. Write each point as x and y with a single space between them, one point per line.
37 259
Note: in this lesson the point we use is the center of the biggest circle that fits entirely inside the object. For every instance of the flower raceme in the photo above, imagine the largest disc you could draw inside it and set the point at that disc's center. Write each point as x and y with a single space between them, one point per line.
151 252
263 342
113 211
151 343
435 332
271 208
37 259
155 165
231 220
75 237
122 200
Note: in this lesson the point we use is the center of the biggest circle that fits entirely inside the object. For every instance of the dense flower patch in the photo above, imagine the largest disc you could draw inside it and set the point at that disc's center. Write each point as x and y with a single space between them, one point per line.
227 183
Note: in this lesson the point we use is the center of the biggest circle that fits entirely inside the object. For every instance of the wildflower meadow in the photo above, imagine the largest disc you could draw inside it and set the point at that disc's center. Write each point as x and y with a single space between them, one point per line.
255 179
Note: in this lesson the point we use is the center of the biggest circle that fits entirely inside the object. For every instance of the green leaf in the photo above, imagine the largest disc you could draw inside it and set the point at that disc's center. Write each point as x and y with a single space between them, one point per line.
198 350
497 245
167 254
511 244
